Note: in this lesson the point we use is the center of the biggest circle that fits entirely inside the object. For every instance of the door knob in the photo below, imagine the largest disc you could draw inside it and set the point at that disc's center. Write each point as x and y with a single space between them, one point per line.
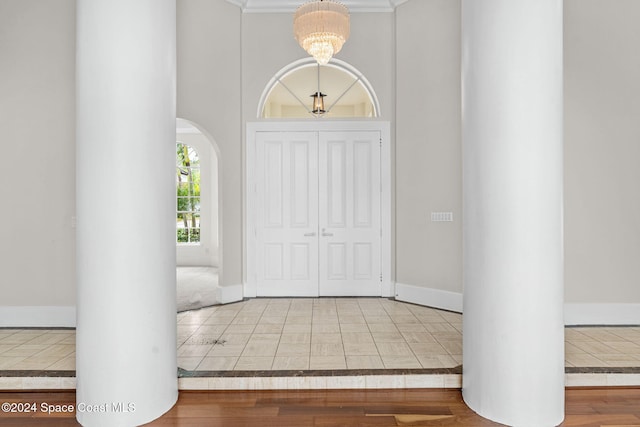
325 234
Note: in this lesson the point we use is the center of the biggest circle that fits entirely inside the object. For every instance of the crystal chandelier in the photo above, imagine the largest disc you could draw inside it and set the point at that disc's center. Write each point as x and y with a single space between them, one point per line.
321 27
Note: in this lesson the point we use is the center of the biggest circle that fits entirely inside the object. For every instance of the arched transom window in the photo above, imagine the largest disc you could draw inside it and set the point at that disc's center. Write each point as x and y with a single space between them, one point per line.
344 92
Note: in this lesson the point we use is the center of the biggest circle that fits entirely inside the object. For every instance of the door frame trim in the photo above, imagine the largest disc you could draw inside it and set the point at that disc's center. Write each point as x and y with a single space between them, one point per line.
249 220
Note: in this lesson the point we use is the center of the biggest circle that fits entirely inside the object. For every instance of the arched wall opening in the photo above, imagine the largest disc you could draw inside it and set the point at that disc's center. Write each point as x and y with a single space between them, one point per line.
286 99
206 251
198 239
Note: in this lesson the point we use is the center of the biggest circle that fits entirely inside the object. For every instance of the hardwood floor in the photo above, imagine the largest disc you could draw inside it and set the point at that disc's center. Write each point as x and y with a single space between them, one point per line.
602 407
599 407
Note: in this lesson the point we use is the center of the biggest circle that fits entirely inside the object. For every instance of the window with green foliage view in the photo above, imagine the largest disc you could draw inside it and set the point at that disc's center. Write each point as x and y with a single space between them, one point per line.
188 194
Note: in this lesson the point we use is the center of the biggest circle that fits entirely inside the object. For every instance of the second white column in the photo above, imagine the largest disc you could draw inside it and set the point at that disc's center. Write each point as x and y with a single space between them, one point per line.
513 356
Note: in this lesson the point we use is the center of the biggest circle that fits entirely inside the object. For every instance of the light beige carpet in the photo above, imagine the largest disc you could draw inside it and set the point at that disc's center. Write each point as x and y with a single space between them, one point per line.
196 287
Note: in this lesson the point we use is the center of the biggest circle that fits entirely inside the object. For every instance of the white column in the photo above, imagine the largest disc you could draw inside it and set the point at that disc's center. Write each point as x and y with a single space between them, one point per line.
126 297
513 367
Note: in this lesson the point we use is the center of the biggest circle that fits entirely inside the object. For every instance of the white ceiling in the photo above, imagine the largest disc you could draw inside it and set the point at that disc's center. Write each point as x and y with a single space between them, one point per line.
289 6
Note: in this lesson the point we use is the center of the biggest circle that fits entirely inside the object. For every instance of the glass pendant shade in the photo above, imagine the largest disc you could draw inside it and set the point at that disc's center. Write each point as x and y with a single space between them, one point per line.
321 27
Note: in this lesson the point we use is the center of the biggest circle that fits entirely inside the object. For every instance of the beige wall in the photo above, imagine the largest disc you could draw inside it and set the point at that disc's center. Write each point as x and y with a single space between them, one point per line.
208 95
602 151
225 59
602 148
37 124
428 146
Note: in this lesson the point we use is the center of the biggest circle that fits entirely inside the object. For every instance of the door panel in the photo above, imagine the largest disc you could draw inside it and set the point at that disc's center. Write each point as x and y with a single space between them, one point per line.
335 183
318 223
349 193
287 214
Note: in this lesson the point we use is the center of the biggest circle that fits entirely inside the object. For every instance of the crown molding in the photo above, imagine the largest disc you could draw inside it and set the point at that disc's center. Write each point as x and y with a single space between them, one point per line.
396 3
240 3
290 6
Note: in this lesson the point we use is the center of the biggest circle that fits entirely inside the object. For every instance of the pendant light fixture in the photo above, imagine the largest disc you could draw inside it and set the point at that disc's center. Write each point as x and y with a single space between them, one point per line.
318 98
318 103
321 27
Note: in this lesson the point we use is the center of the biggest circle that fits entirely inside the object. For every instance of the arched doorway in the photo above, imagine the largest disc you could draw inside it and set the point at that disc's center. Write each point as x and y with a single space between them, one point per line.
197 217
318 190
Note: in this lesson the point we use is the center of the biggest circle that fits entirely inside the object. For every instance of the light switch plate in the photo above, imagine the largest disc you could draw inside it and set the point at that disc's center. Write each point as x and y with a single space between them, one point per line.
441 216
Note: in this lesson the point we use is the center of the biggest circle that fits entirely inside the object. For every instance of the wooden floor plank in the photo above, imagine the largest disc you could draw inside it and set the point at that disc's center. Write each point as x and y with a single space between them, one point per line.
597 407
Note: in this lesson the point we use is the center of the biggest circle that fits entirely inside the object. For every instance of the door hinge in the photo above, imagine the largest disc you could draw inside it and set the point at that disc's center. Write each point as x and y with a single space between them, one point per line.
381 277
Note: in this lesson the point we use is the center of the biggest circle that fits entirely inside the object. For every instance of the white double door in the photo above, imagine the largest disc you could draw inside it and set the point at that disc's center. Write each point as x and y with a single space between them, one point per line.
318 224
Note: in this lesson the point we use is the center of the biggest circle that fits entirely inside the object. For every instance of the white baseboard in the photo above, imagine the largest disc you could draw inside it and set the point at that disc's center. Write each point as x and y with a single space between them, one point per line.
430 297
601 314
574 313
38 316
229 293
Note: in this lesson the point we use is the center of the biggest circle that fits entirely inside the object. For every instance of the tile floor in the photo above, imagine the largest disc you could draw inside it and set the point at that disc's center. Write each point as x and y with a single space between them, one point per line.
318 334
37 349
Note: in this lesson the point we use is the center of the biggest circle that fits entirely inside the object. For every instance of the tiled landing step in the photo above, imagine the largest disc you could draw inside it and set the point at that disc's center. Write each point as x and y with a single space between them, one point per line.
310 380
321 379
